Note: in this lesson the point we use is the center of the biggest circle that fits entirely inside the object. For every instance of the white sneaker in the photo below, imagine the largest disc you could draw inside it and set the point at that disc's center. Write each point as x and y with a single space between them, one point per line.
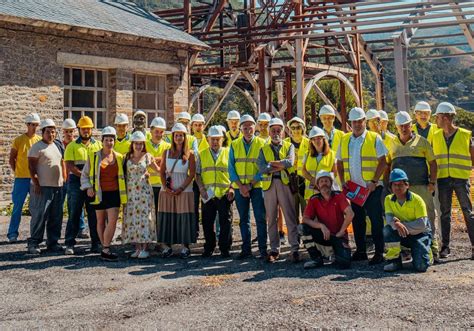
134 255
69 250
143 255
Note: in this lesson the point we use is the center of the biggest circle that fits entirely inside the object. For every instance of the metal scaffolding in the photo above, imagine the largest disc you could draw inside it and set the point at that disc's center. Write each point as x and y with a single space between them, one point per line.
265 45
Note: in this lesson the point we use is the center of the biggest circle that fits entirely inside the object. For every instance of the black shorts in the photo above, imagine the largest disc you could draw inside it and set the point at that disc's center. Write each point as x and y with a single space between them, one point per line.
110 199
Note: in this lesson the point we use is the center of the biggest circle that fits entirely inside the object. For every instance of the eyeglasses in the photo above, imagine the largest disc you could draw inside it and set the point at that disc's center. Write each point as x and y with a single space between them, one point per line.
295 128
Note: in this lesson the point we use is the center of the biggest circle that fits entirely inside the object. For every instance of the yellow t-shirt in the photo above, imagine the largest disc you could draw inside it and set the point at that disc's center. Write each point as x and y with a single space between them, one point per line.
22 145
413 208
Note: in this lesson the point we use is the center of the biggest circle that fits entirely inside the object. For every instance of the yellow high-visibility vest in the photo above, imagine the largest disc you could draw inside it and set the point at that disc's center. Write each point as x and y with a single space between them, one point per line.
215 174
336 139
203 144
94 176
123 146
269 156
300 152
155 179
246 163
368 156
431 132
313 167
456 161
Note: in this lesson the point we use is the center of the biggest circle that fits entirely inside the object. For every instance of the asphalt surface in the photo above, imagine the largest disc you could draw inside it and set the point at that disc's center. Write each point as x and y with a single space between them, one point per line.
55 291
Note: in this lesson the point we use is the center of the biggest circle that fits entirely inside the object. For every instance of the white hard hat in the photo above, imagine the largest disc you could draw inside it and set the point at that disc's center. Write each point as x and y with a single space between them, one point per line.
179 127
296 119
222 128
327 110
69 124
356 114
383 115
264 117
276 121
215 132
198 118
402 117
184 115
246 118
137 136
47 123
121 118
316 132
32 118
139 112
158 122
108 131
233 115
423 106
445 108
371 114
323 173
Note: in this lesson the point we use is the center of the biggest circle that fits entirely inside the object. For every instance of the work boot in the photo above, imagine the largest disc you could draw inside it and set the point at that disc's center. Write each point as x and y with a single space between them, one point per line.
316 263
376 259
34 250
393 265
69 250
359 256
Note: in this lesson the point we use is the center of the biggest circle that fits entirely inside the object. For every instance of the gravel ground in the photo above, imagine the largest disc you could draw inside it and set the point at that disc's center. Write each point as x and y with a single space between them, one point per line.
57 291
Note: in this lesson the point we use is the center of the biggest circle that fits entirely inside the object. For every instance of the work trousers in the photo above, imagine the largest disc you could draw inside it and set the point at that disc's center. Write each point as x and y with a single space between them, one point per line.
222 209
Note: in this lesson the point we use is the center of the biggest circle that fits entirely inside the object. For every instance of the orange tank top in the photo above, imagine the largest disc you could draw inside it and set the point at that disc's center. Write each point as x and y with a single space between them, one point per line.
109 177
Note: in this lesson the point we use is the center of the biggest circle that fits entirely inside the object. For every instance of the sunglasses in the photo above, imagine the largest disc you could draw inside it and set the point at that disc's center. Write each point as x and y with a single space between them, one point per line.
295 127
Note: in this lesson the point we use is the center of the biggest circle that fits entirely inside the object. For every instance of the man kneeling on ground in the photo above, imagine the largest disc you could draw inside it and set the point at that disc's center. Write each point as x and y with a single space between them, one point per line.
325 222
407 224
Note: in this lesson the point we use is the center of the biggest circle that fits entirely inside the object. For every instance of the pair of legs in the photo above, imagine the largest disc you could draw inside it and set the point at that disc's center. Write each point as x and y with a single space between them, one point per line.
222 209
106 225
21 188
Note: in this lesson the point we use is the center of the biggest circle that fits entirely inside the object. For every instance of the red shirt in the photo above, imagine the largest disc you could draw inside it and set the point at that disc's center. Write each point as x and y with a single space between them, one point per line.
330 213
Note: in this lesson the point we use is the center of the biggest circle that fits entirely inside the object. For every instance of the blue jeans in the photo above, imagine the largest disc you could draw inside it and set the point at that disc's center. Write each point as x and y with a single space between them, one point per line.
21 188
243 206
82 224
461 187
76 201
419 244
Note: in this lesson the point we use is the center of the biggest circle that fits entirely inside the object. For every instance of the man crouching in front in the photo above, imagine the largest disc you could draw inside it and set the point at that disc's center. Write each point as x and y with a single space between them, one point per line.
325 222
407 224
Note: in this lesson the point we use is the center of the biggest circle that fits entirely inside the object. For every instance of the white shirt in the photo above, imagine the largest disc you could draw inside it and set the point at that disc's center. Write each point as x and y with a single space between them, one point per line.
355 162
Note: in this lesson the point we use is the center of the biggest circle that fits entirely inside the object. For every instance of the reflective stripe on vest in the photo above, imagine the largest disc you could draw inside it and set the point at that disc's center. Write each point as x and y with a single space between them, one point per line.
455 162
155 179
95 170
269 156
313 167
246 163
368 156
300 152
215 174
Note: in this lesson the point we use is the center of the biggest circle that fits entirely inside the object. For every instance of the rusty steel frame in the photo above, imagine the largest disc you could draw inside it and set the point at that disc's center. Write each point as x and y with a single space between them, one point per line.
286 46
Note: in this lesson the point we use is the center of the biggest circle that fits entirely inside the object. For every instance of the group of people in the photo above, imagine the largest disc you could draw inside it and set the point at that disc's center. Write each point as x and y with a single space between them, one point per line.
163 185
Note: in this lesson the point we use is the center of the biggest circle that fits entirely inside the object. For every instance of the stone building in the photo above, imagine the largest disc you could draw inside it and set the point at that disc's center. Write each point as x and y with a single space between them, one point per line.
68 58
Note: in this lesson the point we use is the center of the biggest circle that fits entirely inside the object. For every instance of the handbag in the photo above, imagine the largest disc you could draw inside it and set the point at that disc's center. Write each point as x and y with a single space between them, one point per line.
168 178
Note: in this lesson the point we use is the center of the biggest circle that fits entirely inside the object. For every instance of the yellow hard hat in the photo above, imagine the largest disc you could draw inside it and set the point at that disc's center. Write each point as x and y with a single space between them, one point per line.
85 122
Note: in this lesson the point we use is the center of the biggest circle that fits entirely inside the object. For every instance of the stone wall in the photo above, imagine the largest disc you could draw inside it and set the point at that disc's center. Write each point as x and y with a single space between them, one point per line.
31 79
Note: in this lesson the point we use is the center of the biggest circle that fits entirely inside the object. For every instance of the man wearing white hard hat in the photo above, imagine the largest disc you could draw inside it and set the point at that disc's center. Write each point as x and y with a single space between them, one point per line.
212 178
156 147
48 173
423 126
299 140
327 115
122 143
18 161
185 119
247 183
384 125
374 124
413 154
233 122
454 151
262 126
361 158
275 163
325 222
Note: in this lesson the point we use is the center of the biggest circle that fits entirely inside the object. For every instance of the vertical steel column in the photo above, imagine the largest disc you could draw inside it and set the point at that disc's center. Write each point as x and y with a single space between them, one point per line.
343 111
401 73
288 94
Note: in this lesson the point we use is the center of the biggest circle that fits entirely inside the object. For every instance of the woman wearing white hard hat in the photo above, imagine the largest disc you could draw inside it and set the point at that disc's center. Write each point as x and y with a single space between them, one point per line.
103 178
423 126
19 164
327 115
212 178
301 142
454 154
176 219
319 157
139 224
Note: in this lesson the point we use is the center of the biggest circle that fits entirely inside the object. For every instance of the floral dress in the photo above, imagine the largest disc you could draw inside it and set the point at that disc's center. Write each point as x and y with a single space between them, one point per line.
139 224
